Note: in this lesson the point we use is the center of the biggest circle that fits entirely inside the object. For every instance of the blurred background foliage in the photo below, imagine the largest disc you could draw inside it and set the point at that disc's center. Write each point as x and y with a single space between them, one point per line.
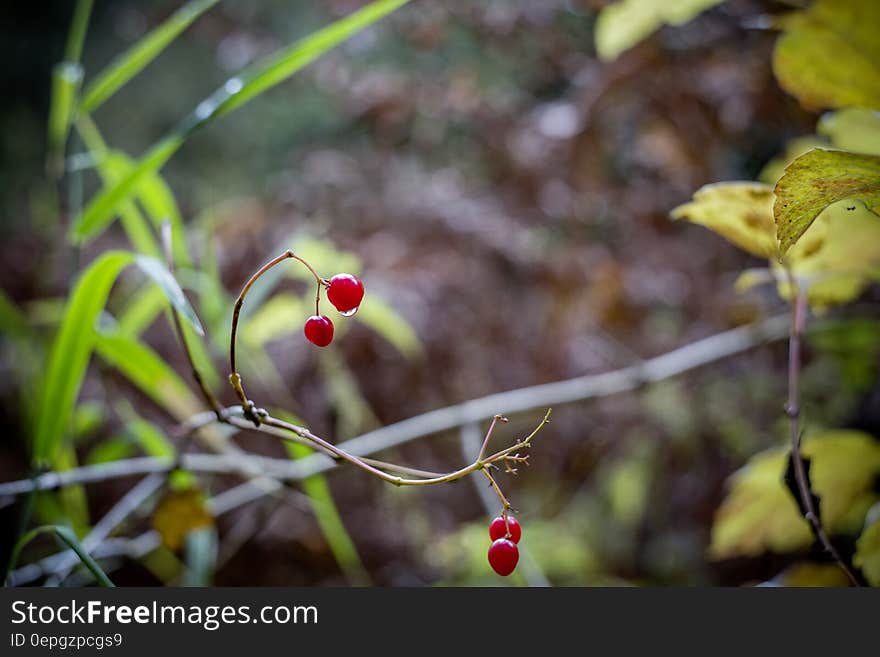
504 194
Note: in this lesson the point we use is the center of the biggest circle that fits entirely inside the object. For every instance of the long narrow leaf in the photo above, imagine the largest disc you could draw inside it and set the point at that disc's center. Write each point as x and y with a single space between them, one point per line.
264 75
166 281
137 230
76 37
112 166
144 308
141 310
99 213
135 59
153 193
66 536
72 498
158 200
70 353
147 435
146 370
279 66
330 522
66 78
201 355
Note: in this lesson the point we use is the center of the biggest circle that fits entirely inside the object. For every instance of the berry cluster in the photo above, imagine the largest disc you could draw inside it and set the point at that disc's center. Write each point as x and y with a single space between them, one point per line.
345 292
505 532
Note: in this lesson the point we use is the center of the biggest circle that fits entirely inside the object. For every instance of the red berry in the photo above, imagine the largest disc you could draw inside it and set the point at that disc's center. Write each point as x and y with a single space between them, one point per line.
319 330
498 529
345 292
503 556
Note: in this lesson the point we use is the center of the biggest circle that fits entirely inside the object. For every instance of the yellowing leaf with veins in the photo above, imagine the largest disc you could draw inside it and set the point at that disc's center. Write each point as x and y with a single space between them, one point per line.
829 54
623 24
817 179
794 148
838 255
741 212
760 515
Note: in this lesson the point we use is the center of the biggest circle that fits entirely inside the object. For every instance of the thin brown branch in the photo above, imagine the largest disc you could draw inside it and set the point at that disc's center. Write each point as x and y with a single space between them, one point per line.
495 420
793 411
209 397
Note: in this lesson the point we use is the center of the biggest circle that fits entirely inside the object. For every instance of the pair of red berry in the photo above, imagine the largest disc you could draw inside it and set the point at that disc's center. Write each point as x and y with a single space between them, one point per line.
503 553
345 292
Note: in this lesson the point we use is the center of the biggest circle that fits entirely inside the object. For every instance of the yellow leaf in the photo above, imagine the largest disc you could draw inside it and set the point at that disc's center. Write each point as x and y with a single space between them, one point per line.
623 24
753 277
852 129
179 513
837 257
829 55
817 179
814 574
741 212
759 514
794 148
867 556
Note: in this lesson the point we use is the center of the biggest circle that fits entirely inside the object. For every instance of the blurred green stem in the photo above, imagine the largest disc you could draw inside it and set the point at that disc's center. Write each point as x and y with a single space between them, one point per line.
78 26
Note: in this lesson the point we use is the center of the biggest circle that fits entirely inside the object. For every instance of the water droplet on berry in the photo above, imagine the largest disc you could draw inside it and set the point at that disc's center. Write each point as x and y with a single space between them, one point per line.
349 313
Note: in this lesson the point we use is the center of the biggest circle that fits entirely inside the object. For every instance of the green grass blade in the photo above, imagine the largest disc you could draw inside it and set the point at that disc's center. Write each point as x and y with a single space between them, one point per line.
201 355
159 202
66 536
110 449
238 90
330 522
381 317
72 498
70 353
153 192
151 439
166 281
138 231
113 166
148 372
66 78
100 211
277 67
76 37
141 310
135 59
